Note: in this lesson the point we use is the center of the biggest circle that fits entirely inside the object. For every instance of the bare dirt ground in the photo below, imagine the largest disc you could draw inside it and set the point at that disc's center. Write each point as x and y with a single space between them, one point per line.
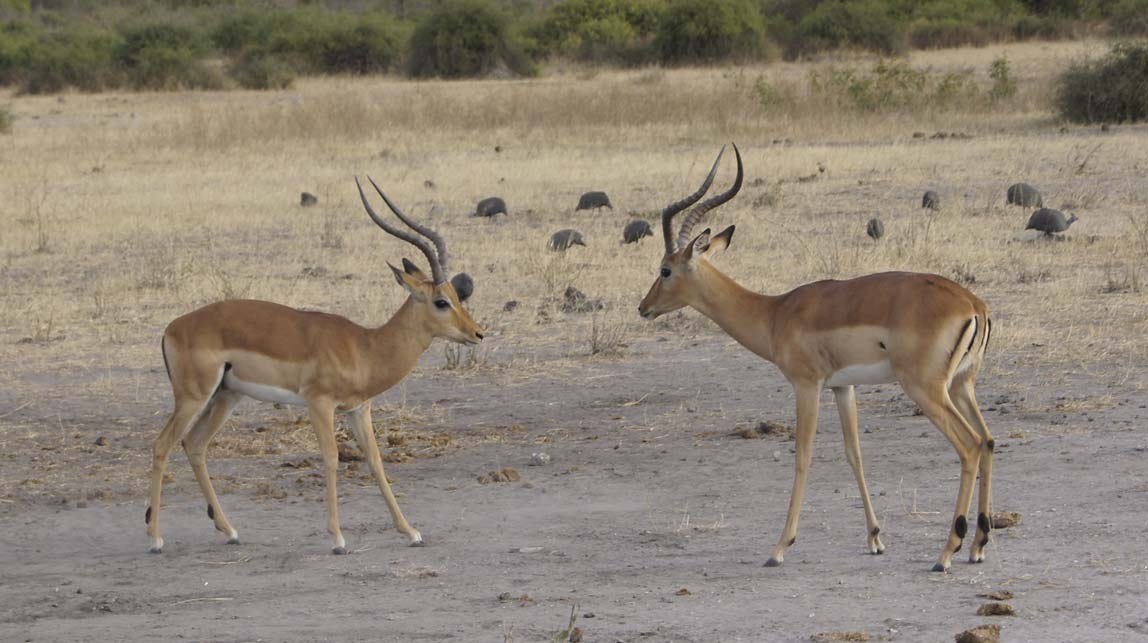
650 519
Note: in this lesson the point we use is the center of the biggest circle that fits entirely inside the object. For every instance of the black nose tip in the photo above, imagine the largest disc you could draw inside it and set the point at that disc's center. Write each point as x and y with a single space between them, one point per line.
478 335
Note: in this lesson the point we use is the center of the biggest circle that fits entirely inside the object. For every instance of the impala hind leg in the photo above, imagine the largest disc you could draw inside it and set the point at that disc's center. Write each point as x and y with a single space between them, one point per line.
807 401
847 409
322 414
186 410
365 436
195 445
937 406
965 398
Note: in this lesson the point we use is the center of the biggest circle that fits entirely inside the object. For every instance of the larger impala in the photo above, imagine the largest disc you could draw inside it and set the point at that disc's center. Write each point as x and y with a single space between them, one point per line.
923 331
225 351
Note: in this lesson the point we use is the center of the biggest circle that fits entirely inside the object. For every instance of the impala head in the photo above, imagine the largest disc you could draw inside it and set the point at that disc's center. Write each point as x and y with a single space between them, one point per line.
686 258
438 301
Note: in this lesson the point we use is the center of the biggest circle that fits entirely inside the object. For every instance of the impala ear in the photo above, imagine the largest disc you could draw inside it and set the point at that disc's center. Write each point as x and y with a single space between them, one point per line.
699 246
463 285
411 269
412 283
720 241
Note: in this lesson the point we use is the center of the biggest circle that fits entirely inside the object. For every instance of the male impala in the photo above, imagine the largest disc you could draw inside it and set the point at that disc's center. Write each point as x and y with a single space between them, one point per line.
921 330
224 351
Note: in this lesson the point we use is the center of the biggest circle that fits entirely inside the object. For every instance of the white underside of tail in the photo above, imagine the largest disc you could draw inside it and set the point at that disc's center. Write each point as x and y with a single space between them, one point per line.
263 392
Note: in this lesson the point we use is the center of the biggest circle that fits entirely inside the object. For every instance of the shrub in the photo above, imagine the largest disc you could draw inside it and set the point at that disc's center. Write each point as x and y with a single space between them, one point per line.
889 86
262 72
600 30
1004 85
707 31
80 57
1130 18
164 56
464 38
6 119
312 40
865 24
1111 89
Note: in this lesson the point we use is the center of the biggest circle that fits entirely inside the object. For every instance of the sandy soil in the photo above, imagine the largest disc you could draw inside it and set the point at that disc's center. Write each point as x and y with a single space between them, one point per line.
650 520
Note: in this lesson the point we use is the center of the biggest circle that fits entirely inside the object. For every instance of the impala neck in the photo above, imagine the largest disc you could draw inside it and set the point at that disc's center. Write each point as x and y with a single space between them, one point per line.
397 345
742 313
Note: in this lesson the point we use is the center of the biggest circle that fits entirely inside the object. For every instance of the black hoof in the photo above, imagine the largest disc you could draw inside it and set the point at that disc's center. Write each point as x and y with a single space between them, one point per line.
339 551
419 543
939 568
155 550
977 562
879 552
773 562
232 541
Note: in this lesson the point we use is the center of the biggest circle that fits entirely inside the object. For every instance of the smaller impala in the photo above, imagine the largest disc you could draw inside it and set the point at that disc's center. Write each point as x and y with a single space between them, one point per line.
923 331
223 352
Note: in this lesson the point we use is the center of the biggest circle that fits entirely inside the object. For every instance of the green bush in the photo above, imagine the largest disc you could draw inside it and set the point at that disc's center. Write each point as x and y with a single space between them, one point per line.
262 72
80 57
6 119
312 40
890 86
617 31
708 31
1130 18
465 38
164 56
1113 89
865 24
1004 84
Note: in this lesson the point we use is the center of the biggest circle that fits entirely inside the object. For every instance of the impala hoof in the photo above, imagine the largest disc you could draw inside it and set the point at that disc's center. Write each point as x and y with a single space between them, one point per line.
155 550
939 568
234 540
773 562
339 551
879 551
418 543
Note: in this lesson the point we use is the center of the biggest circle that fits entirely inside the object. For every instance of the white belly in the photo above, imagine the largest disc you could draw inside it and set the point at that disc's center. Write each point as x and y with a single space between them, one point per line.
873 373
262 392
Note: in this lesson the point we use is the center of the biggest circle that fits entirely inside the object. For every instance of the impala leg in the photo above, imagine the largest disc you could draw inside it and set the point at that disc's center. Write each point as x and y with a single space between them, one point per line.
195 445
807 401
186 410
365 436
940 410
847 409
323 419
964 396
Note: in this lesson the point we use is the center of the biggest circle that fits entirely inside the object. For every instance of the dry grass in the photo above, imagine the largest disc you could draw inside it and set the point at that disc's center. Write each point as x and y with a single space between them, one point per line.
122 211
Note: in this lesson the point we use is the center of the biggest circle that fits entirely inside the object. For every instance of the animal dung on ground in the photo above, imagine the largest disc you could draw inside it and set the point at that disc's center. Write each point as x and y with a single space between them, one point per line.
502 475
349 453
996 609
307 199
767 428
1049 221
635 230
1025 195
510 306
875 229
981 634
593 201
997 595
1005 519
564 239
931 200
490 207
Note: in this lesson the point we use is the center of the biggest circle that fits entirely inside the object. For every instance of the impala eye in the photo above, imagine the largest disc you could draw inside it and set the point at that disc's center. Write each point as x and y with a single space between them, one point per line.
441 304
665 273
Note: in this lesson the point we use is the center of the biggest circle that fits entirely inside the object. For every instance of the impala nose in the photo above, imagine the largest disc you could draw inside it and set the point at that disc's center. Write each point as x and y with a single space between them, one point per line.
478 335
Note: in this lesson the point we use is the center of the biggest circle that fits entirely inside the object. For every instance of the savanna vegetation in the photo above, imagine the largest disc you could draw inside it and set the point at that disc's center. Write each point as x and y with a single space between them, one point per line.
49 45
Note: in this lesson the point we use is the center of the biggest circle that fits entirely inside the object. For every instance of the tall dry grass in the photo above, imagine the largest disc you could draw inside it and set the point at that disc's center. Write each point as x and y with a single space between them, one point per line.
122 211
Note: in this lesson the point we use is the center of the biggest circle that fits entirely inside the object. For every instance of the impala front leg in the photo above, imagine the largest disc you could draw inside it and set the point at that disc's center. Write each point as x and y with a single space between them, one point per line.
847 409
323 419
807 401
365 436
